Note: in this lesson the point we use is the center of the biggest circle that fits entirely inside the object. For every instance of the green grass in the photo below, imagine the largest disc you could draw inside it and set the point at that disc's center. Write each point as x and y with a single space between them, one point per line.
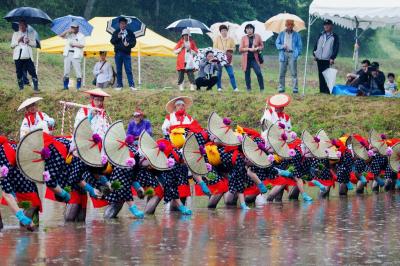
335 114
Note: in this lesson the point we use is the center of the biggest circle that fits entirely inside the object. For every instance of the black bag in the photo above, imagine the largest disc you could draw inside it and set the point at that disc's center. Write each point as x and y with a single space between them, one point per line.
94 81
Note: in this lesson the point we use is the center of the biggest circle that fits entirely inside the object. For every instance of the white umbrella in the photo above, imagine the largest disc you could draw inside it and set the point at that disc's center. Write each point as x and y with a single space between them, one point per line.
330 77
260 30
232 28
277 23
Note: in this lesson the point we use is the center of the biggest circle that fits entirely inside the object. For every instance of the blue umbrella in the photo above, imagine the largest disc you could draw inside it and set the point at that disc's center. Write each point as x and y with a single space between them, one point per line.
29 14
15 27
134 24
62 24
194 25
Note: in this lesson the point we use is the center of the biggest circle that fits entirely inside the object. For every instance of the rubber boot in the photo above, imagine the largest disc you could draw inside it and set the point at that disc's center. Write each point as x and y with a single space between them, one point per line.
151 205
214 200
342 189
66 83
1 223
81 214
294 193
325 194
250 199
78 83
71 212
360 187
279 196
375 186
230 199
388 184
35 84
112 210
21 84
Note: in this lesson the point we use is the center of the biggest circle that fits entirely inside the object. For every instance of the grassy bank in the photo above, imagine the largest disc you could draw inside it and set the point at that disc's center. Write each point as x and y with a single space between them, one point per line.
335 114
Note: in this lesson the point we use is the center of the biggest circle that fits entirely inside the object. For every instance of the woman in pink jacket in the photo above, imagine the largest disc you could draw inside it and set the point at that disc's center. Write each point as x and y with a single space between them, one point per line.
250 46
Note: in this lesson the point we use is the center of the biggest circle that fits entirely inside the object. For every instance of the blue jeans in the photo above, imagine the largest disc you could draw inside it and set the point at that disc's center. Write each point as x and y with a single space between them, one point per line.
283 65
256 67
229 70
124 59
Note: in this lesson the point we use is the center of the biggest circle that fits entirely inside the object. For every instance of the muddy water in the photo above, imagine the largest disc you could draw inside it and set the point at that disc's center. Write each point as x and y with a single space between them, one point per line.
354 230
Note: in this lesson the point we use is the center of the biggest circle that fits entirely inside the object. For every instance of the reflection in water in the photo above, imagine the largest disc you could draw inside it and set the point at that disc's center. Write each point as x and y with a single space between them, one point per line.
354 230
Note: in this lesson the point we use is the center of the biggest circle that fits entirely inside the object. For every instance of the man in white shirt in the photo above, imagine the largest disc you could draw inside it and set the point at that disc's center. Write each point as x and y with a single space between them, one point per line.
73 54
103 72
22 43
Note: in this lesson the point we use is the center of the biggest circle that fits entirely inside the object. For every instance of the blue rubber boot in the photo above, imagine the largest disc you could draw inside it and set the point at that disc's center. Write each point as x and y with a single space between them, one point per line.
204 188
78 83
319 185
136 212
136 185
243 206
306 197
66 83
263 189
184 210
64 195
22 218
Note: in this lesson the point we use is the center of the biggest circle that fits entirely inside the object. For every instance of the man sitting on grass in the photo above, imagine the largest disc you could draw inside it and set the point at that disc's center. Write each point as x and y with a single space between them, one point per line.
375 82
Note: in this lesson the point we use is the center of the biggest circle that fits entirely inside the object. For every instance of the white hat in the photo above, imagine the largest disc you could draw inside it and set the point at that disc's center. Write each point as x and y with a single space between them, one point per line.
74 24
185 32
28 102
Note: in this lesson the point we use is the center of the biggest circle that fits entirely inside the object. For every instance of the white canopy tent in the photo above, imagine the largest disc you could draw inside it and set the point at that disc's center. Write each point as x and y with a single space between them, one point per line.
353 15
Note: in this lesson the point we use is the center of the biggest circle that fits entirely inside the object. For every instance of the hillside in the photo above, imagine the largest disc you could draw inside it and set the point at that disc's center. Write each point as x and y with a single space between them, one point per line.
335 114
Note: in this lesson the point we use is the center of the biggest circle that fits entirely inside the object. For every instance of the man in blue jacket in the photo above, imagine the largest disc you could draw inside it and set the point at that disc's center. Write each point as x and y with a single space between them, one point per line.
289 46
123 40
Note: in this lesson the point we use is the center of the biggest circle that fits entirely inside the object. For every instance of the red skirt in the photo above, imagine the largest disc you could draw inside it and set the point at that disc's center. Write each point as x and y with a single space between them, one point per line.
158 191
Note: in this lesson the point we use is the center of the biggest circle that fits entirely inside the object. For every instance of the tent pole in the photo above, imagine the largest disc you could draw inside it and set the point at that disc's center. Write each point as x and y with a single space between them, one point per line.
306 59
84 72
356 55
139 68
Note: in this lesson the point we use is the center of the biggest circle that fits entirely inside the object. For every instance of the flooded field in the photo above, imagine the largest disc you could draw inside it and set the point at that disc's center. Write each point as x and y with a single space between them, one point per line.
354 230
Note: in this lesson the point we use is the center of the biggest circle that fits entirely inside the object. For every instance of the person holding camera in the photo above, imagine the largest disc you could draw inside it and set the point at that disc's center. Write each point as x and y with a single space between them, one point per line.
207 72
373 82
73 54
123 40
250 47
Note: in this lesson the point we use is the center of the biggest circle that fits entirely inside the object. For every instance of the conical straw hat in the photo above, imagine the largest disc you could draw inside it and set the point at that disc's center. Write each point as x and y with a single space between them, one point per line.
28 157
276 141
193 157
115 146
255 155
377 142
359 150
88 151
149 148
223 132
315 147
327 146
394 159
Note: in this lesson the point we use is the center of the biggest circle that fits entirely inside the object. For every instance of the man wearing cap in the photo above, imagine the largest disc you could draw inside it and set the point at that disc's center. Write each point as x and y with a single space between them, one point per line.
325 51
73 54
34 119
289 46
22 43
138 124
185 49
123 40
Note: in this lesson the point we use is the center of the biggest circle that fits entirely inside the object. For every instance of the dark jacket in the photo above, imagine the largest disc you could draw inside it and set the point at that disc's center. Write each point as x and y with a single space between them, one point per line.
119 43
